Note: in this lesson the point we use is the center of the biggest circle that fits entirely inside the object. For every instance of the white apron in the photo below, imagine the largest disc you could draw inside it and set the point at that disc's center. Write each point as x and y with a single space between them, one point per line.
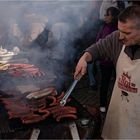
123 116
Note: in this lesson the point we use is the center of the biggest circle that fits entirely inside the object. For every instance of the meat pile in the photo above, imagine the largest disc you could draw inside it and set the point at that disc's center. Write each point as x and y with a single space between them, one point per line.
21 70
37 109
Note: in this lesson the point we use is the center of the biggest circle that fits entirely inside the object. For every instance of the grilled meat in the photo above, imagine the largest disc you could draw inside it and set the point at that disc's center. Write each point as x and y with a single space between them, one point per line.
37 109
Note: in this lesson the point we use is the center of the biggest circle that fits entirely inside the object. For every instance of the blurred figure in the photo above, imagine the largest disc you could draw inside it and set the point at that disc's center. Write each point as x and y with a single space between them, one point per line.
91 28
3 34
91 77
110 3
34 25
134 2
106 66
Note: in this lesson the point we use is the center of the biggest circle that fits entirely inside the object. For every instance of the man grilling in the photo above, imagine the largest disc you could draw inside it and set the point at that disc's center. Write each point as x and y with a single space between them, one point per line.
123 48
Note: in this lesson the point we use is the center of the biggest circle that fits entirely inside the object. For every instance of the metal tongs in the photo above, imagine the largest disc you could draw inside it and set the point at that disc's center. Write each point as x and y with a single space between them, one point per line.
69 91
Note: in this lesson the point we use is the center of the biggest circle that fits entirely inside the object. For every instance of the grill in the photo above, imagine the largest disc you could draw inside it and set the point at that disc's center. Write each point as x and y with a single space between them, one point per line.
88 122
87 125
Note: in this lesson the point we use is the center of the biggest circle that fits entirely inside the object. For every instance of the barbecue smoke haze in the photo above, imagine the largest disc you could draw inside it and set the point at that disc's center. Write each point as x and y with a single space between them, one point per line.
45 31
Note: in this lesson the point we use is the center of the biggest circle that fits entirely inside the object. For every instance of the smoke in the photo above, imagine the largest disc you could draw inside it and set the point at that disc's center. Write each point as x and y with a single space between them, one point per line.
46 31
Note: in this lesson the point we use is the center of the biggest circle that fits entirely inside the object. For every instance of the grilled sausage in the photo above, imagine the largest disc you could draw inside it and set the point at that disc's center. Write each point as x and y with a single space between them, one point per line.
41 93
53 99
31 119
65 110
45 111
72 116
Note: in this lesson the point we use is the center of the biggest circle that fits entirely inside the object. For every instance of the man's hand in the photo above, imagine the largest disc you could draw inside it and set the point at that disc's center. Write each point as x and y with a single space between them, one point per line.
81 67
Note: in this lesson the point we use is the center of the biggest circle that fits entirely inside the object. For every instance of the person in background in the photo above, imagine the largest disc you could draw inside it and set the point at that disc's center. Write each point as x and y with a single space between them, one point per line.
123 48
90 28
105 65
133 2
110 3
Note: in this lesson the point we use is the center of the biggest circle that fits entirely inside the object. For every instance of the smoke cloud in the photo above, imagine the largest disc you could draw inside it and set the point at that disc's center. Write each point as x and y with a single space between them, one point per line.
45 32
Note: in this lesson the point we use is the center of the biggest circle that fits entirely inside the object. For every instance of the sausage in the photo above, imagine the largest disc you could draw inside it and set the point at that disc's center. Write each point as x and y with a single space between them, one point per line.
24 69
47 113
54 92
15 73
36 94
53 99
11 115
57 108
35 104
65 110
73 116
54 109
14 115
18 113
18 110
61 96
31 119
21 65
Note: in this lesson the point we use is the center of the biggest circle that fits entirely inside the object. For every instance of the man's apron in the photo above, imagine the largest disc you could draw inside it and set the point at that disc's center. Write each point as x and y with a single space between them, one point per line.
123 116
